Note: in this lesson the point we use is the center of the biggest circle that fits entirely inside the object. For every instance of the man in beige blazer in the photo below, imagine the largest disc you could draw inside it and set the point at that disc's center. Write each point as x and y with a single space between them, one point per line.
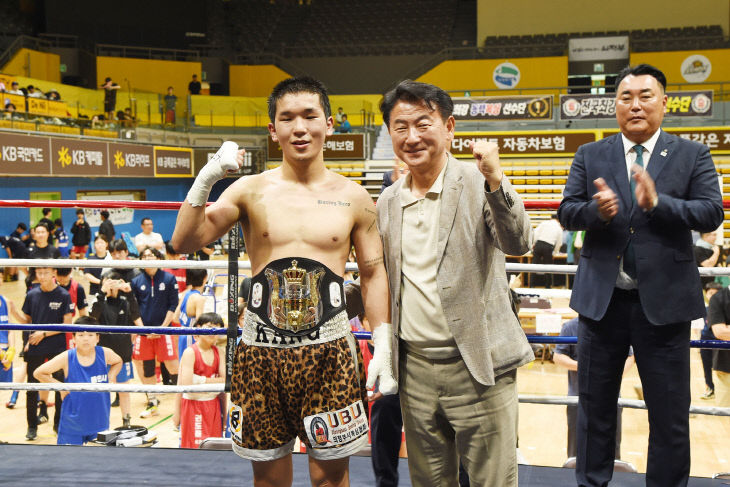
456 341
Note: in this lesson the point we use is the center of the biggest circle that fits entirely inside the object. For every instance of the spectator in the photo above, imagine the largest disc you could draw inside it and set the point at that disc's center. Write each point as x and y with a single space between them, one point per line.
156 292
399 170
93 274
194 86
719 318
110 97
711 288
191 306
567 356
171 254
79 303
83 414
15 89
548 239
34 92
148 238
61 238
338 117
113 307
48 222
81 236
244 291
129 118
107 227
204 253
40 249
7 343
119 251
53 95
45 304
14 245
10 110
345 127
706 253
170 103
199 414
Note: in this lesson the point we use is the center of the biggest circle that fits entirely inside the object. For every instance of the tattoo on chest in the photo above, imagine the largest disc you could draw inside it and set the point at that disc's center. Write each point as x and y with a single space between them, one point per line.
333 203
372 225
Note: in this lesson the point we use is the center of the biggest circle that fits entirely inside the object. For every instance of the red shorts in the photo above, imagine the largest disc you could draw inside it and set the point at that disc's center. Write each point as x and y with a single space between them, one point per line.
79 249
162 348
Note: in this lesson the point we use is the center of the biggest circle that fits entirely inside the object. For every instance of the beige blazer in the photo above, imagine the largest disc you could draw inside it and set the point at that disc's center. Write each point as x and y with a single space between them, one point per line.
476 229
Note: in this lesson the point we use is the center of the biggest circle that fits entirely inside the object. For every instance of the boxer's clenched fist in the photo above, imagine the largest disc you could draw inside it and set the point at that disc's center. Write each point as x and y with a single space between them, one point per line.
229 158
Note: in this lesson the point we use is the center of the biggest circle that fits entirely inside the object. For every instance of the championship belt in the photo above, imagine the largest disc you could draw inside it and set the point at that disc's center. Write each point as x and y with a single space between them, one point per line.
294 296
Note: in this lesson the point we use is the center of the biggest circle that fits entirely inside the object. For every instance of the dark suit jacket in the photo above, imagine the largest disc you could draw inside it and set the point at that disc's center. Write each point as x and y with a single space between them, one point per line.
689 199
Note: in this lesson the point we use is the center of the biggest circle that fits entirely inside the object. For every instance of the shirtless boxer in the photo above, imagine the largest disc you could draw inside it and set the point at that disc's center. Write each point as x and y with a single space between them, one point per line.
298 371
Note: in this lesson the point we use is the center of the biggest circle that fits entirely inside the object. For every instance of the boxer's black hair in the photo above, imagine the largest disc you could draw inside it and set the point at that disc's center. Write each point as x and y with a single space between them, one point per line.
304 84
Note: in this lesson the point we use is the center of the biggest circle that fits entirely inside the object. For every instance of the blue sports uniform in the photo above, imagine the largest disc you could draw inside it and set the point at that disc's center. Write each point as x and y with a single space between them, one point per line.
5 375
156 296
84 414
184 341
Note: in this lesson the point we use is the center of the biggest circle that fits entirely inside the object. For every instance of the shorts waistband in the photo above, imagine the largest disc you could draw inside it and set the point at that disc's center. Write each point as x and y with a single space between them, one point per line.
256 332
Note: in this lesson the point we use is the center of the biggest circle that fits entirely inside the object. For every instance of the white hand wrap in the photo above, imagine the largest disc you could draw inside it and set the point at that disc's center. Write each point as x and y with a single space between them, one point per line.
224 160
381 364
198 379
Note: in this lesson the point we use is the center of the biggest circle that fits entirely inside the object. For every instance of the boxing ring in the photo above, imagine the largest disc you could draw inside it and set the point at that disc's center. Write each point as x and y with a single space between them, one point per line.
67 465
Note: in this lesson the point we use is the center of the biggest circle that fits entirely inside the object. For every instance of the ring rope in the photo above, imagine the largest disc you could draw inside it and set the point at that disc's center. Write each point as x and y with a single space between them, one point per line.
162 389
175 205
245 264
360 335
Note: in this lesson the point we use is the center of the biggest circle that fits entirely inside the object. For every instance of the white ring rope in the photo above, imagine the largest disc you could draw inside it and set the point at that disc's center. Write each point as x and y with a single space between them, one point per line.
161 389
245 264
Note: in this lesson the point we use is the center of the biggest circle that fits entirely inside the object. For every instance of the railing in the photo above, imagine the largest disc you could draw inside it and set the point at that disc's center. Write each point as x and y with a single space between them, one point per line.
113 50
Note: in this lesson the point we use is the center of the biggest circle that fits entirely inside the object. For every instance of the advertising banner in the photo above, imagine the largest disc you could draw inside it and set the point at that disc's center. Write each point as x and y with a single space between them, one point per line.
130 160
173 161
598 48
528 143
596 107
73 157
538 107
24 155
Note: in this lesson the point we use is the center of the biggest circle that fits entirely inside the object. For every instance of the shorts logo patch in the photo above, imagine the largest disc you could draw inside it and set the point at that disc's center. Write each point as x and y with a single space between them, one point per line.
256 295
335 295
337 428
234 421
142 287
318 431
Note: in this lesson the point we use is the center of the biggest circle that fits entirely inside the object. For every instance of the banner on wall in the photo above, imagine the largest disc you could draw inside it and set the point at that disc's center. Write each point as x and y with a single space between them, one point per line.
597 107
24 155
528 143
598 48
254 160
31 155
696 68
539 107
118 216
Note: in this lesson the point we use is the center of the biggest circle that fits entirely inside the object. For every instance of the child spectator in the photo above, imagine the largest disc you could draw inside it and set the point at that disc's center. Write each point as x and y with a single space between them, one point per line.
107 227
199 414
83 414
79 302
114 308
44 304
7 345
191 306
81 236
93 274
61 237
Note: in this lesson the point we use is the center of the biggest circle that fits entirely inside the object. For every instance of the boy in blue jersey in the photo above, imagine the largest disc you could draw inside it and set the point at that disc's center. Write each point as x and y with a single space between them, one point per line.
61 237
83 414
191 306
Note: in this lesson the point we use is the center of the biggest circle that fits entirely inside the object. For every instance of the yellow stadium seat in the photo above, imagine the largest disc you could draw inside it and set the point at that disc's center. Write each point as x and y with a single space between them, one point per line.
546 172
518 172
507 172
533 181
560 172
518 181
559 181
532 190
532 172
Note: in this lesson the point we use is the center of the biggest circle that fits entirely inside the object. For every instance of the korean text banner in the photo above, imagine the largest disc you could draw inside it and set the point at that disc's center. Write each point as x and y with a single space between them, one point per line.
596 107
539 107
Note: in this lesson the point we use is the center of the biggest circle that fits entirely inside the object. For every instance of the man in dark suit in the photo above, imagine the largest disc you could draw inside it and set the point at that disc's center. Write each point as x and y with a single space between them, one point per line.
638 195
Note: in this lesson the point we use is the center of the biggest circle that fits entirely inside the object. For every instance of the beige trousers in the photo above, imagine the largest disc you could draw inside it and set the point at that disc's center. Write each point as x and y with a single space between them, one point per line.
450 417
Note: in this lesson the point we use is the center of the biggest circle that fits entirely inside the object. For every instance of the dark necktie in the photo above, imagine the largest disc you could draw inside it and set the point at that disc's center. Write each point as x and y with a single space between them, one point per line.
629 257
